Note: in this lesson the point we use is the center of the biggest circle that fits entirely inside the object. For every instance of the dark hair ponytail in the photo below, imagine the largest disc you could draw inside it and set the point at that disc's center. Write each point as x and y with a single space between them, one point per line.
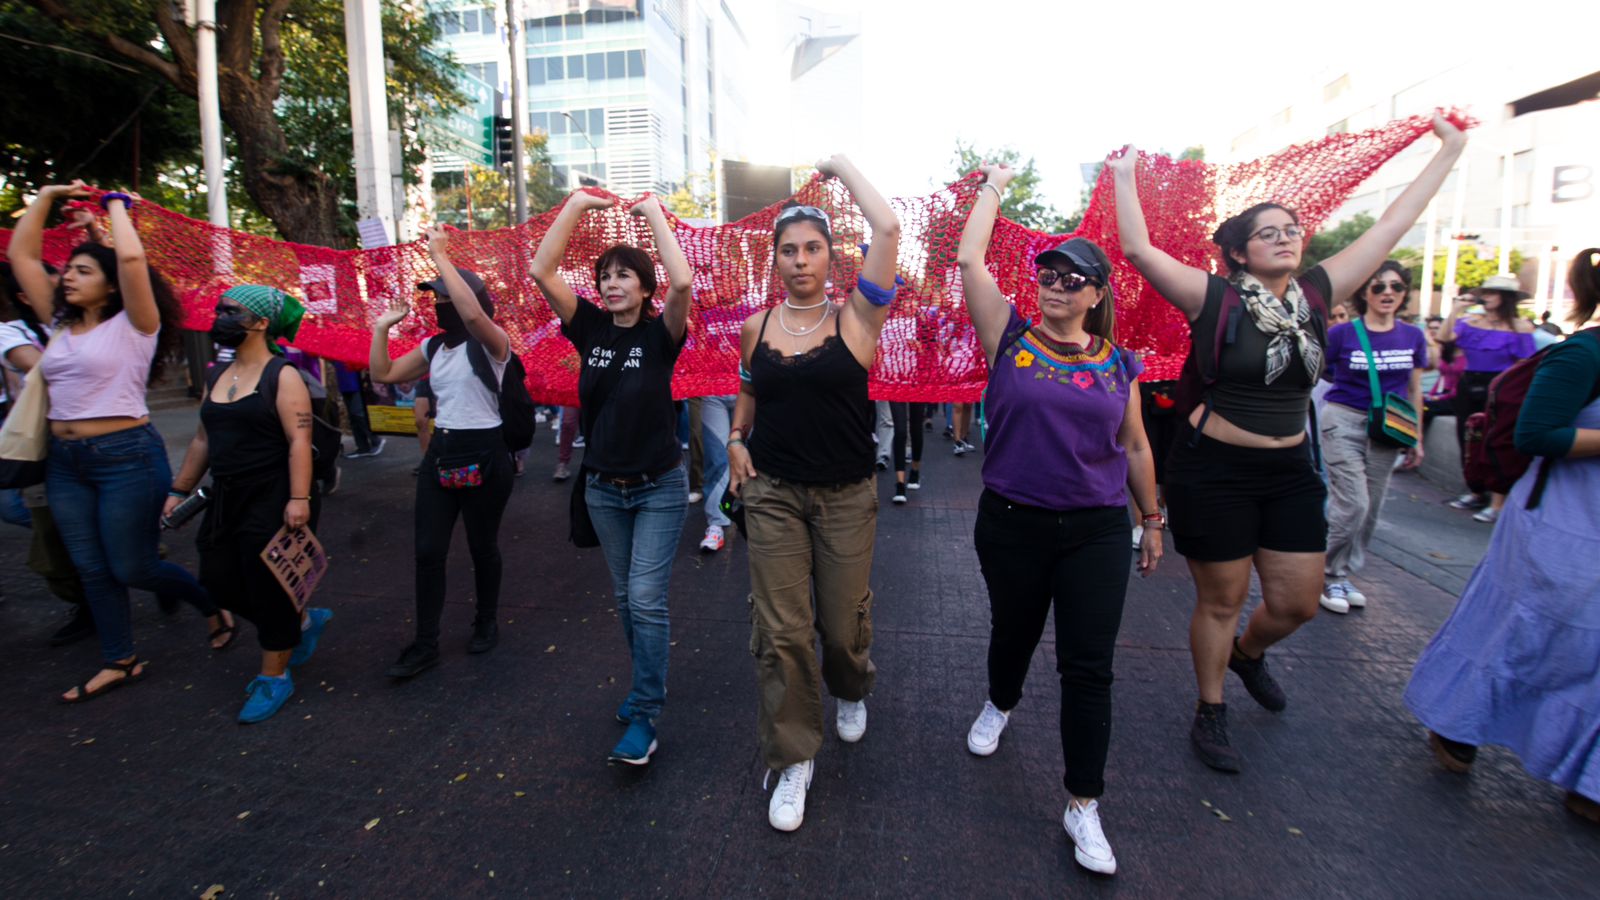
1584 278
1234 234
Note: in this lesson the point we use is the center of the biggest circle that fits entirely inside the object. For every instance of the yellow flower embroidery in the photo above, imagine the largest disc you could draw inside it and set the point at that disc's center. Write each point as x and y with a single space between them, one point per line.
1024 359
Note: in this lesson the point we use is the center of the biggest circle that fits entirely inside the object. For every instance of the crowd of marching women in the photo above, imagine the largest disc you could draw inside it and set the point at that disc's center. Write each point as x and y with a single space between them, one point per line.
1249 489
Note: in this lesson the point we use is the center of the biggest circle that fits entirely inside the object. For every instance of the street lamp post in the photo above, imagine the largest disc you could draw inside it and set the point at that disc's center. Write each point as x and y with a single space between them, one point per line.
594 152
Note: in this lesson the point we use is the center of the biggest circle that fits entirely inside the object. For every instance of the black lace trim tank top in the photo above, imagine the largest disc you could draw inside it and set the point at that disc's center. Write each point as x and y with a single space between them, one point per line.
813 418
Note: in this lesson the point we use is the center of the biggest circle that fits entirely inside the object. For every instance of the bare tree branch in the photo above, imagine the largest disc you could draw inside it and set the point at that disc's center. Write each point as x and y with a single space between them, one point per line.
121 46
272 62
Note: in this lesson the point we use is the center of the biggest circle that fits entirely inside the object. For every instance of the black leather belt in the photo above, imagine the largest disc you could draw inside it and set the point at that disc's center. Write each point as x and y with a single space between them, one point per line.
636 479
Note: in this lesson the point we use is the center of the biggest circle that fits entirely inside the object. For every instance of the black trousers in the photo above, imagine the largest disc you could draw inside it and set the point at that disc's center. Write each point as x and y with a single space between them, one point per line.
1472 396
907 418
244 515
480 508
1076 562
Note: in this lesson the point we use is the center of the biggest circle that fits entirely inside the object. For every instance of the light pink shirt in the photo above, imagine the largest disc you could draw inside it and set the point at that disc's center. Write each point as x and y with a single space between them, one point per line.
102 372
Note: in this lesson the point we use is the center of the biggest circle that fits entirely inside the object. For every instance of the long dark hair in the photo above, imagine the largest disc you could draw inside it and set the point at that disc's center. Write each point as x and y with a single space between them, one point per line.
1506 311
166 304
1359 299
1583 276
1234 234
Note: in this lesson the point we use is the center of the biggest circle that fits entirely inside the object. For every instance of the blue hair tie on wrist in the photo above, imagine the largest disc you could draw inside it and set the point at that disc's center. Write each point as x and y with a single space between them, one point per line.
875 295
108 196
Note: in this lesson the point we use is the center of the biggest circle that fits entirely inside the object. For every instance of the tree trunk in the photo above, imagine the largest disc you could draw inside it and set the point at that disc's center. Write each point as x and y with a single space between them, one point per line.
302 203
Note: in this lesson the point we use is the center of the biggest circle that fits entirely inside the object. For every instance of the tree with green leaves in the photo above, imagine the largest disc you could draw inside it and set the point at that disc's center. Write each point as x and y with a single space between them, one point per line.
283 88
1329 241
486 191
1023 203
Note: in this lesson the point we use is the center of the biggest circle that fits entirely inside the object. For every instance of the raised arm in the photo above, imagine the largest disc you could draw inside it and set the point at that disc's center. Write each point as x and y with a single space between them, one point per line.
482 328
546 269
1349 268
380 367
882 259
133 272
680 278
26 251
986 306
1184 286
1447 331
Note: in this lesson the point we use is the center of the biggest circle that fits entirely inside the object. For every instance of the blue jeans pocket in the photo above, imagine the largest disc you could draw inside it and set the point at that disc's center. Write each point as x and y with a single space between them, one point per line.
132 445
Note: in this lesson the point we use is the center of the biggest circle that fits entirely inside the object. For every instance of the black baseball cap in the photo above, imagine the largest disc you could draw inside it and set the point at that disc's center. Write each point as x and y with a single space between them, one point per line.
437 286
1085 256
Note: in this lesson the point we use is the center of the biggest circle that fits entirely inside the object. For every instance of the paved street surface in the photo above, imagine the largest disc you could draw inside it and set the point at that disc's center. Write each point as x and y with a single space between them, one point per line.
487 775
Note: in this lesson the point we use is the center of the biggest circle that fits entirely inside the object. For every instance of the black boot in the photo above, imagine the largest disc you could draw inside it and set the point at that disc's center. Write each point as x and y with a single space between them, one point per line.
485 635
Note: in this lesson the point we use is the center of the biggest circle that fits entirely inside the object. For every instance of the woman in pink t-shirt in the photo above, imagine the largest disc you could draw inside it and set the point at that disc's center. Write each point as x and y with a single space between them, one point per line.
107 473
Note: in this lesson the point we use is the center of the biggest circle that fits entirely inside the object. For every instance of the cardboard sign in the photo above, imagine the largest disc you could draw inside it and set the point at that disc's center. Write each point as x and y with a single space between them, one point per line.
297 560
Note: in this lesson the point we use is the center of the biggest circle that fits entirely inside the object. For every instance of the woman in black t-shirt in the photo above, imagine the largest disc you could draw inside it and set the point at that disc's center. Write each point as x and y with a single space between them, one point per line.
634 482
1241 483
810 499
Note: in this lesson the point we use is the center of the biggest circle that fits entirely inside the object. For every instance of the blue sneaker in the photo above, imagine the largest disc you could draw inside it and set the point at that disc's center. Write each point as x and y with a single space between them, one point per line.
636 745
267 696
310 636
625 712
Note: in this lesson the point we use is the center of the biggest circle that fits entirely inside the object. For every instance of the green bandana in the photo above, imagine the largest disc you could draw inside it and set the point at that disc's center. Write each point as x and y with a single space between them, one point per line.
282 312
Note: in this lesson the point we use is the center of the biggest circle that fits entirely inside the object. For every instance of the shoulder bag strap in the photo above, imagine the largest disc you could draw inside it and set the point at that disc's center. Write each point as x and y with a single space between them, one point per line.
1372 363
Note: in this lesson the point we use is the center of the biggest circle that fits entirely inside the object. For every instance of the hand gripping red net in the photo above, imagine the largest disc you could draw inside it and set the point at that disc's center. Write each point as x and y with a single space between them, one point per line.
928 351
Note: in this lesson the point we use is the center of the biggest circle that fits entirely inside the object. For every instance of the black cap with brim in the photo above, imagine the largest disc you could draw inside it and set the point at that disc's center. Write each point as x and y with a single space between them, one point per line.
475 283
1084 255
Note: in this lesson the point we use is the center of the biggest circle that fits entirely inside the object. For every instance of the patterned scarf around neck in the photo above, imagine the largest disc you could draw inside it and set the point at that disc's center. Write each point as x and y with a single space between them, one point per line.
1283 322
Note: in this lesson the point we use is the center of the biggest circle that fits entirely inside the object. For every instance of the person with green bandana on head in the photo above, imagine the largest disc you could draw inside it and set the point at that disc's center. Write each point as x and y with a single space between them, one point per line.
255 438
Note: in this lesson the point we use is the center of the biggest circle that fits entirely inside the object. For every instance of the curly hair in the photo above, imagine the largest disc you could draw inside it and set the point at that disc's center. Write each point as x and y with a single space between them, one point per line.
166 303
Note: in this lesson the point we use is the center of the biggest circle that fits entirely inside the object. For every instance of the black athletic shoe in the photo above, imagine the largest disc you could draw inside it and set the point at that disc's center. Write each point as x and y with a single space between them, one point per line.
485 635
414 659
1453 755
80 626
1210 737
1257 680
899 492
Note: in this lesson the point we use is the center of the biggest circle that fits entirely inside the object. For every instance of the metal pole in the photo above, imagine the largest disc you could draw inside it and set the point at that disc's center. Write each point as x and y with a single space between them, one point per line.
205 40
1430 239
1506 163
1458 209
369 115
519 108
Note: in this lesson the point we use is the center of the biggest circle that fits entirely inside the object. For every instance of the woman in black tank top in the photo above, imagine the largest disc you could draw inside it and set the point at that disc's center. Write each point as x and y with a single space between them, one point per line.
800 455
255 439
1241 482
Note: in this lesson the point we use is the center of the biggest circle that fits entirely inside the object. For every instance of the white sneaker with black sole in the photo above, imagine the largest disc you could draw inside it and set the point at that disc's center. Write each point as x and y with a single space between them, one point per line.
983 738
851 720
1091 848
787 808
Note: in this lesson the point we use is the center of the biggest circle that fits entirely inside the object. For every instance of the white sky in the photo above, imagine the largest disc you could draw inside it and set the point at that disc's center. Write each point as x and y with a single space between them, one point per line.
1065 82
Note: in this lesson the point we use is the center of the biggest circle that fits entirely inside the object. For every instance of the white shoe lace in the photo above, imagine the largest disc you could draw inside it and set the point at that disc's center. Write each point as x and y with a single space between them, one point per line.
851 714
989 725
791 784
1087 833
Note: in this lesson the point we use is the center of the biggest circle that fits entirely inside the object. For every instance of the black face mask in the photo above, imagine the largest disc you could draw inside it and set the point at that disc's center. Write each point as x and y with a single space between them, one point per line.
455 330
231 327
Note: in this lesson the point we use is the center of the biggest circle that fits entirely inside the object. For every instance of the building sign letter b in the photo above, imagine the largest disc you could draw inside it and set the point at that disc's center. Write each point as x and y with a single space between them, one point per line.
1571 183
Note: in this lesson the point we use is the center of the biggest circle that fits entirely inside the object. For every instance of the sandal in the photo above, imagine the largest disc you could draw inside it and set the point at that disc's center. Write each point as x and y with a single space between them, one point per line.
132 670
231 630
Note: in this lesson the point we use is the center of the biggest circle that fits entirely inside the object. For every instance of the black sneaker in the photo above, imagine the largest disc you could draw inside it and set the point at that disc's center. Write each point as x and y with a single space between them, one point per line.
899 492
1257 680
914 480
1210 737
1453 755
80 626
485 635
413 659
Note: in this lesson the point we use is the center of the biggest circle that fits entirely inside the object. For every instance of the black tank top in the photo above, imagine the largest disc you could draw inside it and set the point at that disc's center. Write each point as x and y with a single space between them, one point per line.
244 438
813 419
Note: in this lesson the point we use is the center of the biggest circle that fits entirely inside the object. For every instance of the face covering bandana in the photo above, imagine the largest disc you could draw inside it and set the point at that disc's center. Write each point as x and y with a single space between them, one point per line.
455 330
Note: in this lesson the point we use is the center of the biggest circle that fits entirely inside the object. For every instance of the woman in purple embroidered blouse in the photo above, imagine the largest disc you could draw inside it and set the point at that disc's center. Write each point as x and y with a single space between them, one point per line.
1493 340
1065 442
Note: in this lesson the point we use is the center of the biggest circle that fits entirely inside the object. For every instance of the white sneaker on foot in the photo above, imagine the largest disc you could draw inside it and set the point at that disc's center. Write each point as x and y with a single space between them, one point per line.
851 720
1092 851
713 540
983 739
695 497
1355 598
787 809
1334 599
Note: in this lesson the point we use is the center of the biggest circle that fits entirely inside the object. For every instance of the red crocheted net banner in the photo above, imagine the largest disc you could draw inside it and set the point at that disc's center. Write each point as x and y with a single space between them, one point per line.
928 351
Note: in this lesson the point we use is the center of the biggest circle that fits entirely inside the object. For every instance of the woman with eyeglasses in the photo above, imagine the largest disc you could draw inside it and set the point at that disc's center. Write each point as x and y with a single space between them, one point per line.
635 485
1242 484
800 456
1065 444
1359 467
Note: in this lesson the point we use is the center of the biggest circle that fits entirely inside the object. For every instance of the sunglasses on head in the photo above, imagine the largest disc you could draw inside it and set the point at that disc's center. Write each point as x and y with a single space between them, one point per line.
1271 233
803 212
1070 281
1380 287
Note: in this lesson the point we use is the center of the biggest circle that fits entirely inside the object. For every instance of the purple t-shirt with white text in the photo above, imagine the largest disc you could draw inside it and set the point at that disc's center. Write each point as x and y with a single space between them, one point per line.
1398 351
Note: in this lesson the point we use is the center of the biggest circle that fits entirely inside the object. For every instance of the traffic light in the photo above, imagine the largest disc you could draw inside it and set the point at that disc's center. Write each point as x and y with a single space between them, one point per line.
503 141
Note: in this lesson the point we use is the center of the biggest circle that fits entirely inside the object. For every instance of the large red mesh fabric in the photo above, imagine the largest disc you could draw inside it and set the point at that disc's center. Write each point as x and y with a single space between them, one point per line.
928 352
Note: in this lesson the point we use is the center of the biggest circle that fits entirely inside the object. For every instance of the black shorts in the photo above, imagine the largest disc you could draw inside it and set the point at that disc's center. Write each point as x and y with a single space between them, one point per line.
1226 502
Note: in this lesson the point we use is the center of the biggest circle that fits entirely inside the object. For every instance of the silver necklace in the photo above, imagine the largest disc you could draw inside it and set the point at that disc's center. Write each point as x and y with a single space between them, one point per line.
789 302
826 312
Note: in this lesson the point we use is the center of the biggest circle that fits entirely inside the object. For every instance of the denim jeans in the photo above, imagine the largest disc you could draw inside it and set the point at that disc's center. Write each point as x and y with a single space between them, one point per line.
356 407
716 417
12 511
638 527
106 493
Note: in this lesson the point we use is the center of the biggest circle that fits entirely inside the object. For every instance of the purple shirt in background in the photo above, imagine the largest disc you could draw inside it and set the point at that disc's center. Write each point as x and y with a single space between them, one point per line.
1489 350
1054 411
1398 351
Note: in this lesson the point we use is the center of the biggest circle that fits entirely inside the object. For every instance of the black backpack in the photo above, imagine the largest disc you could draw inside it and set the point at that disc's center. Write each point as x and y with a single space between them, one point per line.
327 443
516 404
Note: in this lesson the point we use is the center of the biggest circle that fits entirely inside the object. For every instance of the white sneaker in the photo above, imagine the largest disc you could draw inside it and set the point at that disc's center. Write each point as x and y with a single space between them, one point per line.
1138 536
1487 515
787 809
851 720
1092 851
713 540
983 739
1334 599
695 497
1355 598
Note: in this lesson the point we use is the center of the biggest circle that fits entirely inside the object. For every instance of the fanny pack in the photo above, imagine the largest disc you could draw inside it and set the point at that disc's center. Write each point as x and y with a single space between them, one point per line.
461 471
1391 419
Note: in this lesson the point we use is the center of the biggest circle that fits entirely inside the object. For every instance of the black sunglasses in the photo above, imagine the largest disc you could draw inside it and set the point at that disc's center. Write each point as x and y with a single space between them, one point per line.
1070 281
1379 287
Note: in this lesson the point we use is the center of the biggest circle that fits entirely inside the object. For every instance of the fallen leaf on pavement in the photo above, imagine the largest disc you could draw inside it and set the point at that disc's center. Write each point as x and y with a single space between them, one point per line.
460 778
550 649
212 893
371 825
1296 832
241 816
519 793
